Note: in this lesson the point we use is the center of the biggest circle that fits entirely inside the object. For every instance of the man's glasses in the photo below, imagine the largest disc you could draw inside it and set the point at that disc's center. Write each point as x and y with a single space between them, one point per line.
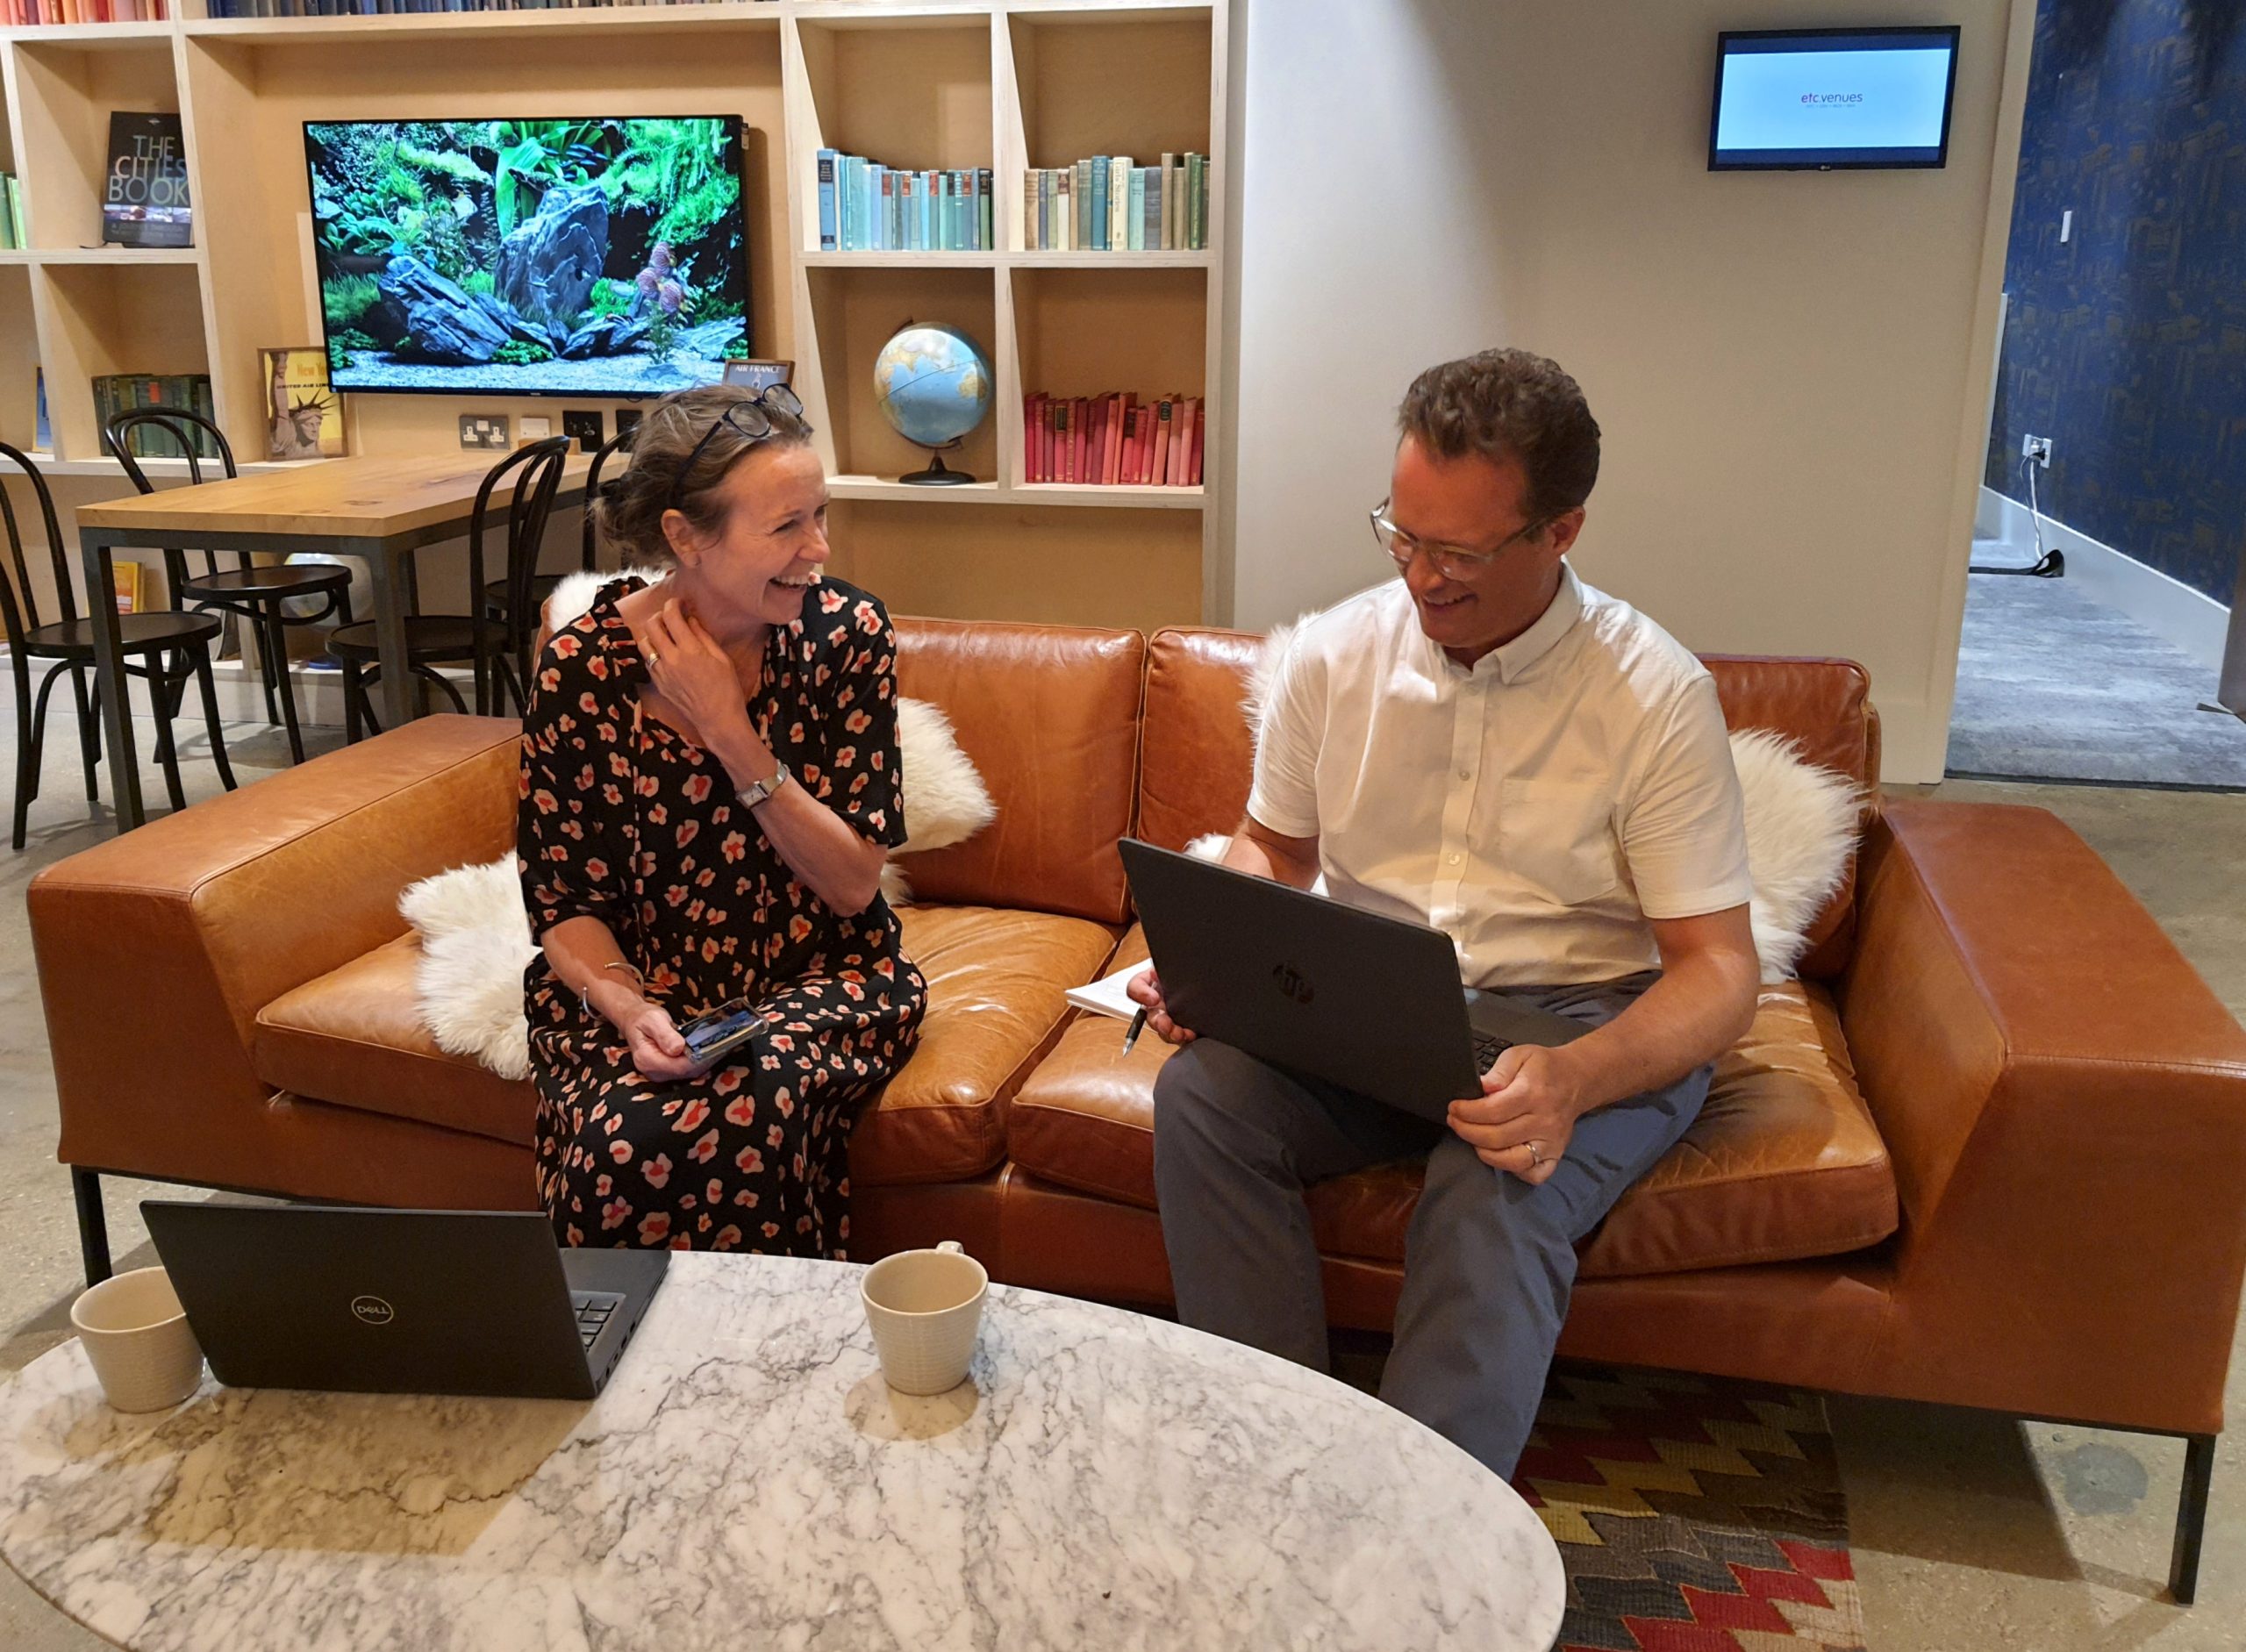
747 420
1452 561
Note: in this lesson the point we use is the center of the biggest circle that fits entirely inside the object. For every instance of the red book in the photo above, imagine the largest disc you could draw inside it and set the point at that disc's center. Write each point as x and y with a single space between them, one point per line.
1046 416
1127 463
1111 451
1162 414
1186 444
1078 472
1064 414
1096 441
1193 450
1029 437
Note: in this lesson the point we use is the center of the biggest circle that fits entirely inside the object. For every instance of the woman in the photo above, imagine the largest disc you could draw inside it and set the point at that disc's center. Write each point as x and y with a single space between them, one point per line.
708 786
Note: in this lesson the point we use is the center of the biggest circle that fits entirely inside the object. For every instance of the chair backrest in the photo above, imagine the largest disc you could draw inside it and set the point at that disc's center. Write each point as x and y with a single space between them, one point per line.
620 442
18 600
537 472
181 425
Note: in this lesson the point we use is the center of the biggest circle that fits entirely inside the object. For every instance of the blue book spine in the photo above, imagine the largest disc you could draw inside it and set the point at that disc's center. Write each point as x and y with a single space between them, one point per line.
959 204
927 210
861 219
846 194
944 211
829 235
1048 232
985 210
1136 208
883 191
908 212
1099 170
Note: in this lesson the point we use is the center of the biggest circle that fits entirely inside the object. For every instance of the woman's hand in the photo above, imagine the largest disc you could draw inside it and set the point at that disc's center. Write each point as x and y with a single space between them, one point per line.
693 673
657 1049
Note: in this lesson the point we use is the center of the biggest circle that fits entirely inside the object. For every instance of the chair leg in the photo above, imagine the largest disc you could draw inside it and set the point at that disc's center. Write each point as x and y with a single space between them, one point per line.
93 1224
357 713
210 690
276 647
2191 1518
266 665
26 759
159 695
89 734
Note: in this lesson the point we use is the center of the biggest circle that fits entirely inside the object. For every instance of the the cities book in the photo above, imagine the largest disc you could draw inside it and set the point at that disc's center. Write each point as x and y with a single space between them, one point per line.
144 197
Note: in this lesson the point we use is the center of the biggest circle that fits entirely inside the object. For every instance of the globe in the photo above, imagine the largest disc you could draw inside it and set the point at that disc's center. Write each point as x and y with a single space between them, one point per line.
934 387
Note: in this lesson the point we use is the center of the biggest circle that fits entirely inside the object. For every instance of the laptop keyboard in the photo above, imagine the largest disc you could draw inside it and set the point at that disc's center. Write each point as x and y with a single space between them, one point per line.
593 1308
1487 1048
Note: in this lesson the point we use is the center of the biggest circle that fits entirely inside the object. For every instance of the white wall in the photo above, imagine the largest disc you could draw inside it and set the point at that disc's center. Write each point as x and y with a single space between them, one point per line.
1790 369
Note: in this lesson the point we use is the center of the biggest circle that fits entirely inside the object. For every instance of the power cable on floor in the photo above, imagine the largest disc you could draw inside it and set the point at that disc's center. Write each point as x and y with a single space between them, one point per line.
2051 564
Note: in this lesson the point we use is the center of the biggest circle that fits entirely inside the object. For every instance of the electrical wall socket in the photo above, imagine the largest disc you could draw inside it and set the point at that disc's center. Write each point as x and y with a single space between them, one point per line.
585 428
2038 448
536 428
483 431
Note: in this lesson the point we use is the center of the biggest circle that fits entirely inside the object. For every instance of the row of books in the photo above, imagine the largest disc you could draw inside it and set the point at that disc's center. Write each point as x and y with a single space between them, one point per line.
22 14
118 393
1113 440
1107 205
12 237
391 8
866 207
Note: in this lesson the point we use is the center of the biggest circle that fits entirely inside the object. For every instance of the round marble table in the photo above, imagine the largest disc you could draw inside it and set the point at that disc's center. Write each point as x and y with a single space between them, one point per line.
747 1480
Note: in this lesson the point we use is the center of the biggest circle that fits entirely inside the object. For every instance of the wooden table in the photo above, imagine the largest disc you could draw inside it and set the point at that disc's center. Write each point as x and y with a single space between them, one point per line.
378 510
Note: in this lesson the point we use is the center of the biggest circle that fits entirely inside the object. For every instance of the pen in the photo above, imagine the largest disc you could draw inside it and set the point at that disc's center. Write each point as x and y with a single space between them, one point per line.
1138 1025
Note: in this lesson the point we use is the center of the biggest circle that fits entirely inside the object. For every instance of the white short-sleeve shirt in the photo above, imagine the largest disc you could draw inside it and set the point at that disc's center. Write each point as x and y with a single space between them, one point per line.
1538 808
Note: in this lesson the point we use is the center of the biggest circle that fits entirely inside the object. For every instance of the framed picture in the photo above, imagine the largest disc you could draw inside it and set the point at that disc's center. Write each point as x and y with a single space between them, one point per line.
755 375
304 416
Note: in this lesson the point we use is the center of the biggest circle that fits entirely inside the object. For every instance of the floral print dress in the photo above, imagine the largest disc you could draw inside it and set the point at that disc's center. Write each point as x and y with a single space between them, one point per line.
622 819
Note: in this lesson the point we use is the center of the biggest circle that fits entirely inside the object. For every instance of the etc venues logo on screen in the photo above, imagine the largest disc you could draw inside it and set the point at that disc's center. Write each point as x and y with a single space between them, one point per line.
1823 98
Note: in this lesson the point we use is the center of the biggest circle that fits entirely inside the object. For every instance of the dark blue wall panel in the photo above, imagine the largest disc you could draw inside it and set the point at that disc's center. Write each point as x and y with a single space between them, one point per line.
2127 345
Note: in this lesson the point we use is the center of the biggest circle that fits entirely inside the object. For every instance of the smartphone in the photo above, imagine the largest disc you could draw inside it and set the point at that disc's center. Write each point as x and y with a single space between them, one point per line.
710 1038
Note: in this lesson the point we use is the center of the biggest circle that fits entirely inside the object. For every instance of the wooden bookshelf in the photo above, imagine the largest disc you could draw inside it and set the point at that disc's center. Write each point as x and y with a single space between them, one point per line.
1003 84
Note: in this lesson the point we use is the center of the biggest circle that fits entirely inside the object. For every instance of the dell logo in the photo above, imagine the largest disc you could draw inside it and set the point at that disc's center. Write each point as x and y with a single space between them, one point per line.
1293 983
372 1311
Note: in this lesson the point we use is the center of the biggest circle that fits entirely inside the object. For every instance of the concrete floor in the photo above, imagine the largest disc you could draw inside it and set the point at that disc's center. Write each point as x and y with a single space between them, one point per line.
1971 1532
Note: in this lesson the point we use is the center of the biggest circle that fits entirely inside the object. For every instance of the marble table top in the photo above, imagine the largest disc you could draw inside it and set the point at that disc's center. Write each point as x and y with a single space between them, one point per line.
747 1480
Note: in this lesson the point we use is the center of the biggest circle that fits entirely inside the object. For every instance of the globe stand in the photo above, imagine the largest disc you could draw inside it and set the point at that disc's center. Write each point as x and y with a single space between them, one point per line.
937 474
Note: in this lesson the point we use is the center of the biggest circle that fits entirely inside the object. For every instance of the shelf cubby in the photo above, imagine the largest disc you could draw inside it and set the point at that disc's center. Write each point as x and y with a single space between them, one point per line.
105 318
854 312
1085 330
67 90
19 360
997 561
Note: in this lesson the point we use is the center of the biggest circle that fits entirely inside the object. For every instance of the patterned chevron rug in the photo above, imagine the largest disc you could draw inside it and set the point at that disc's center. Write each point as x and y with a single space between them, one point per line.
1694 1514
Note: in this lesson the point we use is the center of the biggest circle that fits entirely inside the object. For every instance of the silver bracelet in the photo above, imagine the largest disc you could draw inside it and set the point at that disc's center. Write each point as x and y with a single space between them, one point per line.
638 984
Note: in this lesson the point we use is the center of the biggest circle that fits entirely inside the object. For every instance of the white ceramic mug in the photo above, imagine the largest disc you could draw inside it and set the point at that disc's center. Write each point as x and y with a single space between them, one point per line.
137 1336
924 1307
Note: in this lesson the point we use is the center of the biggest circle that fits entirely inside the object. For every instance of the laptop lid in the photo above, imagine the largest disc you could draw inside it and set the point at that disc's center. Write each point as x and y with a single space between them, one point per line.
384 1301
1370 1003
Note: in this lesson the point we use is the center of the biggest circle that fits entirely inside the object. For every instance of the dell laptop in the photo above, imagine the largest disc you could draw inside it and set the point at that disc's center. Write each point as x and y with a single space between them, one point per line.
400 1302
1370 1003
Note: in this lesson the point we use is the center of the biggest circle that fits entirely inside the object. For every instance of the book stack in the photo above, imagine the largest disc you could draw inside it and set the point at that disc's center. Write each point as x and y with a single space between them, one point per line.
391 8
18 14
1109 204
11 214
1113 440
121 392
866 207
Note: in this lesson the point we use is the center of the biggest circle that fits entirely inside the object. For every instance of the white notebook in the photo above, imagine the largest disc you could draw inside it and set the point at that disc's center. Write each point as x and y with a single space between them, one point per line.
1106 997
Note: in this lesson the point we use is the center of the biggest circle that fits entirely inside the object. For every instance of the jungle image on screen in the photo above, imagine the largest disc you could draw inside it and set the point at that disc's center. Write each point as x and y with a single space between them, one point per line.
595 256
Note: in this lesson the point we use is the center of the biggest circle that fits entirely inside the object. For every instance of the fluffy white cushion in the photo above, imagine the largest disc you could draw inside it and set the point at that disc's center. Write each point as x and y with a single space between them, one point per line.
476 938
1802 821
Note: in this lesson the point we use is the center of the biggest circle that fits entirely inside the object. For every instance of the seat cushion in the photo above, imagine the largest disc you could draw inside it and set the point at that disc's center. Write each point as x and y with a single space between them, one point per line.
1783 1163
354 1038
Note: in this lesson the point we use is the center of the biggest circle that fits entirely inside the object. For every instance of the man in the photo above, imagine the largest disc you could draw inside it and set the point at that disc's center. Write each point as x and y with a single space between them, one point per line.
1488 746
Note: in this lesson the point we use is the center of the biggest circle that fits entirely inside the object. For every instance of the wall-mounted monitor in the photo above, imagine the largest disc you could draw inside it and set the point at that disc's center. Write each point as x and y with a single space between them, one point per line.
581 256
1820 99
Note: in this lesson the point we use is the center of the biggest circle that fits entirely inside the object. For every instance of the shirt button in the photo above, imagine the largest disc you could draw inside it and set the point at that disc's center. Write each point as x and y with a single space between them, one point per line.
1466 774
1453 860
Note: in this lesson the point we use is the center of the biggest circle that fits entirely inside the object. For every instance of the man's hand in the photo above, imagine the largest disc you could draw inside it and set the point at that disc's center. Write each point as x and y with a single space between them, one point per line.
1146 987
1526 1115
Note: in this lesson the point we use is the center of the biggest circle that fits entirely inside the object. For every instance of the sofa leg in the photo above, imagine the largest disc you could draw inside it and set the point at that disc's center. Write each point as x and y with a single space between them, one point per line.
93 1239
2191 1518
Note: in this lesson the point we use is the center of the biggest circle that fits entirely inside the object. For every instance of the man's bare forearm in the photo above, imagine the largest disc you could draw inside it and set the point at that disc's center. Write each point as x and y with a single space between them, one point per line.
1699 1008
1262 852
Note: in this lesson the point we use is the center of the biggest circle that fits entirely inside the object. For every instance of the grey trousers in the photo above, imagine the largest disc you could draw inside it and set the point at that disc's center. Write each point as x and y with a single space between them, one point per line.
1489 1260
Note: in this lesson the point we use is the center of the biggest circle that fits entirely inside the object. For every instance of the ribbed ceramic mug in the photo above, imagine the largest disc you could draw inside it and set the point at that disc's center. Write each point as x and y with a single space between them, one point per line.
924 1307
137 1336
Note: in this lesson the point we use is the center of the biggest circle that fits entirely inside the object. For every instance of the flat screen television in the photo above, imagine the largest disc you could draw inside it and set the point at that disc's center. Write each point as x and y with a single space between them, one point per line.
1821 99
581 256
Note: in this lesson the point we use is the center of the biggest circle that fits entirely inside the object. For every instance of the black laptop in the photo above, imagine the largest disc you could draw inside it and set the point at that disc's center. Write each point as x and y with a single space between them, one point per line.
400 1302
1370 1003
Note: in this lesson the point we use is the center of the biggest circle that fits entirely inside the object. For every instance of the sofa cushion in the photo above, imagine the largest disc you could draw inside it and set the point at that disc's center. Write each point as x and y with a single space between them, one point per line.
1783 1163
1049 717
354 1038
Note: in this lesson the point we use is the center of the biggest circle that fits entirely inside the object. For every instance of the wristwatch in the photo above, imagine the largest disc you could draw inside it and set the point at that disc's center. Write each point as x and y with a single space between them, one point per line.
753 794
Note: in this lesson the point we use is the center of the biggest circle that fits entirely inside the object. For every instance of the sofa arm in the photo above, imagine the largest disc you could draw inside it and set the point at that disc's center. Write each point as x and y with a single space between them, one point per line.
157 949
2065 1101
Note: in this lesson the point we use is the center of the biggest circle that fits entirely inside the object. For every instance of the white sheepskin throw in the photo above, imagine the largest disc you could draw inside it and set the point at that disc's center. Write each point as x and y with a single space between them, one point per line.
475 938
1802 821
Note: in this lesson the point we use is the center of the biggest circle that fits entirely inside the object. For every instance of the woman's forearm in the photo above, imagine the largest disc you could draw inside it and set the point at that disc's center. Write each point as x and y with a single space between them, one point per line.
579 951
820 847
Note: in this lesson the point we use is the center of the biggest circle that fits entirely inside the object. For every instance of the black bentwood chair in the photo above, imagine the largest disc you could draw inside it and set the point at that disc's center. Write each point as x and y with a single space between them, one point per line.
491 646
69 643
256 595
542 585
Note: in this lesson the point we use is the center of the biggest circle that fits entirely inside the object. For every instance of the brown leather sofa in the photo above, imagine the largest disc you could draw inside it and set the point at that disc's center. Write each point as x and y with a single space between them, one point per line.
1990 1151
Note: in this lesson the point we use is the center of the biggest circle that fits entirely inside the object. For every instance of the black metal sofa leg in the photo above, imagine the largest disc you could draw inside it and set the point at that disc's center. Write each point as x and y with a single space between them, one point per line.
2191 1518
93 1224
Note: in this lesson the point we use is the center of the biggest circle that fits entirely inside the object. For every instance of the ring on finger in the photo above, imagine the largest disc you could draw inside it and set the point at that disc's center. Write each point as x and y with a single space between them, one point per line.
1535 1156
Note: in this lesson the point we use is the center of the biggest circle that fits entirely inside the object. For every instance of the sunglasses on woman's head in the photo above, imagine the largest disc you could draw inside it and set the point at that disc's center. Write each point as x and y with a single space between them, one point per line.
747 420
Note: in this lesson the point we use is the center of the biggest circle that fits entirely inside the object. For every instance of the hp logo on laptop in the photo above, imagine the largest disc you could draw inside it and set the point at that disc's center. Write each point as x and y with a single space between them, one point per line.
372 1311
1294 983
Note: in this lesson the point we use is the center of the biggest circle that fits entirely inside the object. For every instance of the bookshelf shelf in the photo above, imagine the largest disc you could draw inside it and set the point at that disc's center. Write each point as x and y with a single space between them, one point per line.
997 84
